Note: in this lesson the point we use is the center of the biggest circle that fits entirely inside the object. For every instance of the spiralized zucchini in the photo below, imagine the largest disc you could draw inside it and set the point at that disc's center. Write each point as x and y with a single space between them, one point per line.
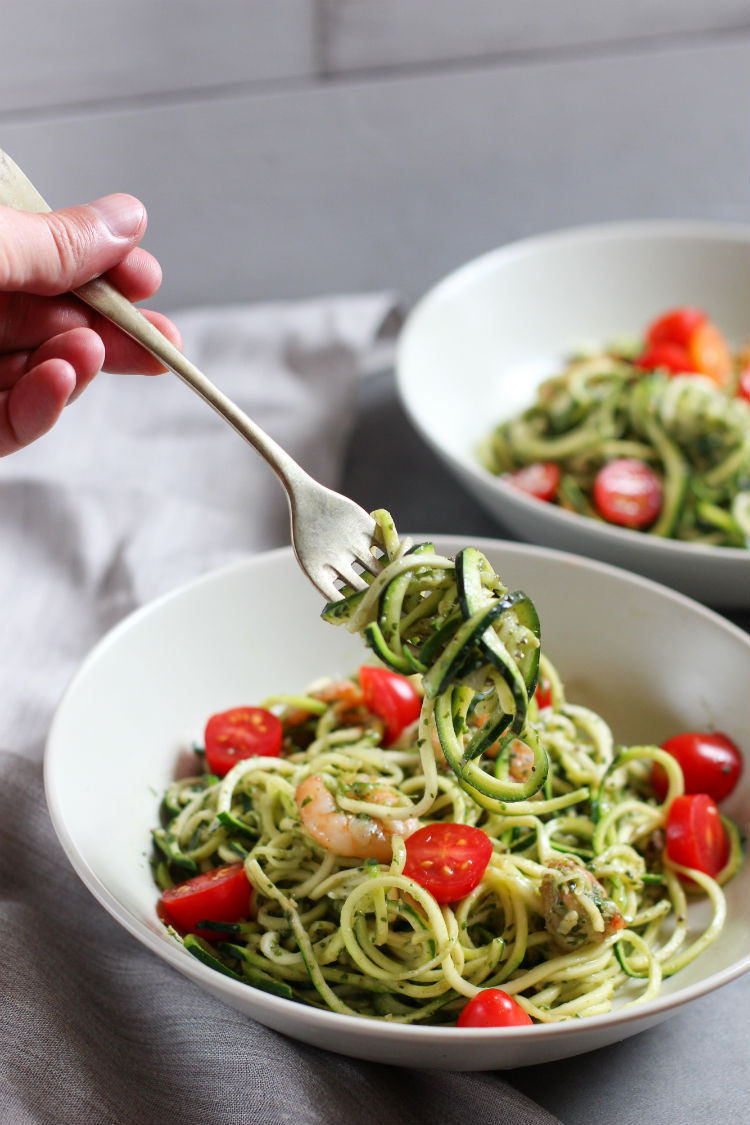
601 407
579 907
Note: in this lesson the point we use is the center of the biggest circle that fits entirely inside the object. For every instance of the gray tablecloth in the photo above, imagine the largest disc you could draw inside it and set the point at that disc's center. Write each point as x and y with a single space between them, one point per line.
140 488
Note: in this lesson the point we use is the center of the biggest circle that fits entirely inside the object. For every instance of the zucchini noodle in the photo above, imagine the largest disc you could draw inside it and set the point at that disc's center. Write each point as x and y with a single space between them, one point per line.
601 407
578 909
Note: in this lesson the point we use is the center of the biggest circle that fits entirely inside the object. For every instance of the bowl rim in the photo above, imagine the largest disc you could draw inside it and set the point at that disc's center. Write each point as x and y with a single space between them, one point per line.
487 262
706 230
270 1005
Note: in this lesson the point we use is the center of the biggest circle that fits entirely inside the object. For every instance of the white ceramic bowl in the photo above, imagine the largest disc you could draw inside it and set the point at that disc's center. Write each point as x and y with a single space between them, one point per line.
651 661
475 348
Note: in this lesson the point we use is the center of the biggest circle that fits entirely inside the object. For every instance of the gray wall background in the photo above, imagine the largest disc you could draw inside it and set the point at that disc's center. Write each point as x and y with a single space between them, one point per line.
288 148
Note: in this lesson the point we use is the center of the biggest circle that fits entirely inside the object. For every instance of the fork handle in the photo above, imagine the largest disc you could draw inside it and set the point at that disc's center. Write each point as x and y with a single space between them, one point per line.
16 190
101 295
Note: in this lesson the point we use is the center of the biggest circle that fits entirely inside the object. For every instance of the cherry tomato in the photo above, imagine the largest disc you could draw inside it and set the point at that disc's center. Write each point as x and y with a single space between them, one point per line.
685 340
543 693
628 492
710 353
242 732
695 835
493 1008
391 697
711 763
676 326
448 860
743 385
671 357
221 895
542 479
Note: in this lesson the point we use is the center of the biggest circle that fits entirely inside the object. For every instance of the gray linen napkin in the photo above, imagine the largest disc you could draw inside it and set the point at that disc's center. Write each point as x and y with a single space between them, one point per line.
140 488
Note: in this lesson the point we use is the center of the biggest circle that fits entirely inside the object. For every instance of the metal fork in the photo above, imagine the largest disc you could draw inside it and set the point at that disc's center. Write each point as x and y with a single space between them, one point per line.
330 533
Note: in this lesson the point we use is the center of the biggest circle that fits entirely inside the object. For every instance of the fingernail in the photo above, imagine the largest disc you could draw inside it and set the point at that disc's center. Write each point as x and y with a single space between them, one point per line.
124 215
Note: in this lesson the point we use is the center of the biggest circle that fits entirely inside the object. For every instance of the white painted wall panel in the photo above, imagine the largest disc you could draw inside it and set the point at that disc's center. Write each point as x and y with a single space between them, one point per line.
363 34
58 52
372 184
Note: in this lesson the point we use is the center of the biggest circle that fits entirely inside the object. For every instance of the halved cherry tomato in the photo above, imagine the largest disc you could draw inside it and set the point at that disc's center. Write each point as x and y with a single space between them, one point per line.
493 1008
242 732
543 694
542 479
743 384
628 492
711 763
391 697
448 860
685 340
670 357
710 353
695 835
676 326
221 895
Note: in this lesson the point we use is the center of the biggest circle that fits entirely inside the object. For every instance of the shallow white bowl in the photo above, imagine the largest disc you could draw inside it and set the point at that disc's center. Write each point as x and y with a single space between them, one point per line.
475 348
651 661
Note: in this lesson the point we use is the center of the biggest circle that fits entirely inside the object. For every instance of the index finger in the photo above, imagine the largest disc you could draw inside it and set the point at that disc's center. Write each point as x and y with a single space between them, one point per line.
26 322
124 355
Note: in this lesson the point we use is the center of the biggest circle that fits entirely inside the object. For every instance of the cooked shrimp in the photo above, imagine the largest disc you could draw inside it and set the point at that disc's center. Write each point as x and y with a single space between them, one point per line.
346 701
350 834
344 698
576 907
521 761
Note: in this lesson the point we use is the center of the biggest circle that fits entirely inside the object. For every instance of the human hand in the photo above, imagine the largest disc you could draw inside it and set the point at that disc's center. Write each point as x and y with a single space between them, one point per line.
51 344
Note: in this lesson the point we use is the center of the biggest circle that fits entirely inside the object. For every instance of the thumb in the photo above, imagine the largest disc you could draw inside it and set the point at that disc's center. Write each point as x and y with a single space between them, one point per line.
57 251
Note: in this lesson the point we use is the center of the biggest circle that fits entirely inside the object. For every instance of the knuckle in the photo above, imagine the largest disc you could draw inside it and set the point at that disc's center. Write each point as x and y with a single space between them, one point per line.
73 239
